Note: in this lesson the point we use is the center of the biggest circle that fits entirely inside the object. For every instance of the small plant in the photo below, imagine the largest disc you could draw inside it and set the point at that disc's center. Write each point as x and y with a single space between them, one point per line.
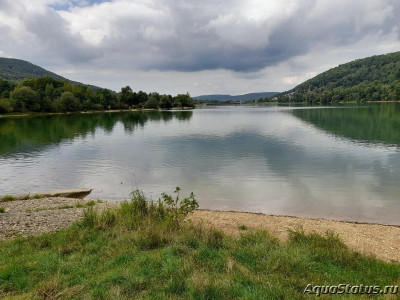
90 218
7 198
90 203
2 210
107 218
26 197
243 227
79 205
178 209
37 196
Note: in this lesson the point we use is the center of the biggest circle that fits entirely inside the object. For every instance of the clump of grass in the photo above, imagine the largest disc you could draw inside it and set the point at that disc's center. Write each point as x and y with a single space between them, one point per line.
37 196
65 206
242 227
146 250
2 210
26 197
77 205
90 203
8 198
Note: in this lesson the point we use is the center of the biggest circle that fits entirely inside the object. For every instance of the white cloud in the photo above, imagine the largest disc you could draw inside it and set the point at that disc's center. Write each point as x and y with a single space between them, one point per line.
223 46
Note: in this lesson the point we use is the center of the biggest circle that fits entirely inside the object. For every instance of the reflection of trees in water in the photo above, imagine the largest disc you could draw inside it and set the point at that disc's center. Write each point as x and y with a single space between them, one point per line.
372 124
25 134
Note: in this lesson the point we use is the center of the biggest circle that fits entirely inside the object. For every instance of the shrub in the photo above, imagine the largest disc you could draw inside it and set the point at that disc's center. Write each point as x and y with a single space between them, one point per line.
2 210
178 209
138 213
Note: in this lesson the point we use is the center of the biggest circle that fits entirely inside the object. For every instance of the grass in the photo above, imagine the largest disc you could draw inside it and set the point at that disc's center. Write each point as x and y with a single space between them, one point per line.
7 198
2 210
145 250
77 205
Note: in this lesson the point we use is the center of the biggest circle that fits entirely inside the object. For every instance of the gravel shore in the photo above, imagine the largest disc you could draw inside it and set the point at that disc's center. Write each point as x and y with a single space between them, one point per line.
36 216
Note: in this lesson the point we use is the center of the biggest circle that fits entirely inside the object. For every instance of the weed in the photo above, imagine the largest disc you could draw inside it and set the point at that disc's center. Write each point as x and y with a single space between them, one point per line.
242 227
8 198
90 203
2 210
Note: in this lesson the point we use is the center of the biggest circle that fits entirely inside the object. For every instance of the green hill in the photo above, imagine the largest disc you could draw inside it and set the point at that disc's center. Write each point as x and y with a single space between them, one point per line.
375 78
245 97
12 69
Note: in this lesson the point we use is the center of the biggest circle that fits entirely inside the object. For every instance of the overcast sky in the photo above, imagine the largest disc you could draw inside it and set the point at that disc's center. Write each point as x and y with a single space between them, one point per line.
203 47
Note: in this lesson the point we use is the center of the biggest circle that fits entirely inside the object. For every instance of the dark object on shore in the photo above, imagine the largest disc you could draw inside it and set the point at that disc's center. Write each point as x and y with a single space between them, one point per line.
75 193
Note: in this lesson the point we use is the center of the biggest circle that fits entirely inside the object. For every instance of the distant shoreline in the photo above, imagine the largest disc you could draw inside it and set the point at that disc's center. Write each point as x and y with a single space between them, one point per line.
28 114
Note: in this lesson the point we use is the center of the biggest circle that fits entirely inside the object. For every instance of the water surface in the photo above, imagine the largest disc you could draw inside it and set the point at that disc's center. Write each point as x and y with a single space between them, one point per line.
321 162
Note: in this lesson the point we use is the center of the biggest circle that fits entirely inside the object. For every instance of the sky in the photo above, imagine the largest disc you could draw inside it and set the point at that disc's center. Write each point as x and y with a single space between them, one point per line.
200 47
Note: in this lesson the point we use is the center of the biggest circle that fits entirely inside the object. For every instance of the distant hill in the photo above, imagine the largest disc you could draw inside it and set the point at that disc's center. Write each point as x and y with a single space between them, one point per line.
245 97
15 69
373 78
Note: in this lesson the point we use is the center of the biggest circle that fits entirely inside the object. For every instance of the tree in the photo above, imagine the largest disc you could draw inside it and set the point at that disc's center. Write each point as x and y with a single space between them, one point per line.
165 101
128 97
5 106
151 102
68 102
24 98
183 100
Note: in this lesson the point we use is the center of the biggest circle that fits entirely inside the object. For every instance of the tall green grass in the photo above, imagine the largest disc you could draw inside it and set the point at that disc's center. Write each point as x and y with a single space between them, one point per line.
145 250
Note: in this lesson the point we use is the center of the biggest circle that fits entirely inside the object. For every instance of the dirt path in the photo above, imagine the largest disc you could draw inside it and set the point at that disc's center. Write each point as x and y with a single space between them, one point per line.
35 216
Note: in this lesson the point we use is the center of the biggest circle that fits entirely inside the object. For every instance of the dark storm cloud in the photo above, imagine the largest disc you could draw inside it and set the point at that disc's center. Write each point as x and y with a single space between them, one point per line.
194 36
242 37
295 35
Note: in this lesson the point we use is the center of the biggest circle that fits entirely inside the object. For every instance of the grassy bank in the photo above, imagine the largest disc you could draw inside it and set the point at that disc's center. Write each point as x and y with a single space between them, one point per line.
145 250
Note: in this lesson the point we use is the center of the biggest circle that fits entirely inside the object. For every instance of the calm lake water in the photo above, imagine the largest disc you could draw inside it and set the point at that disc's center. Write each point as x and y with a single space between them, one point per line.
321 162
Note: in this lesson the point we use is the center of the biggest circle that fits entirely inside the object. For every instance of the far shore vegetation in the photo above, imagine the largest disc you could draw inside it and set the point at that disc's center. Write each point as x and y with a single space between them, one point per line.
50 95
148 250
371 79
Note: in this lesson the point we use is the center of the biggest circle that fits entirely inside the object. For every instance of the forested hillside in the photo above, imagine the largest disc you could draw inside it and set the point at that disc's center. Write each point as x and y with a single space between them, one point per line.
245 97
375 78
16 69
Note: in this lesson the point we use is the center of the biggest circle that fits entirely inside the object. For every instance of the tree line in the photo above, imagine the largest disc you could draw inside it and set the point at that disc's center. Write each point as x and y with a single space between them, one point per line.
362 92
50 95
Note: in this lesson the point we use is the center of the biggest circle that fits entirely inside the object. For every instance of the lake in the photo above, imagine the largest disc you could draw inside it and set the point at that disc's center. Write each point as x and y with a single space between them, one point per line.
338 162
